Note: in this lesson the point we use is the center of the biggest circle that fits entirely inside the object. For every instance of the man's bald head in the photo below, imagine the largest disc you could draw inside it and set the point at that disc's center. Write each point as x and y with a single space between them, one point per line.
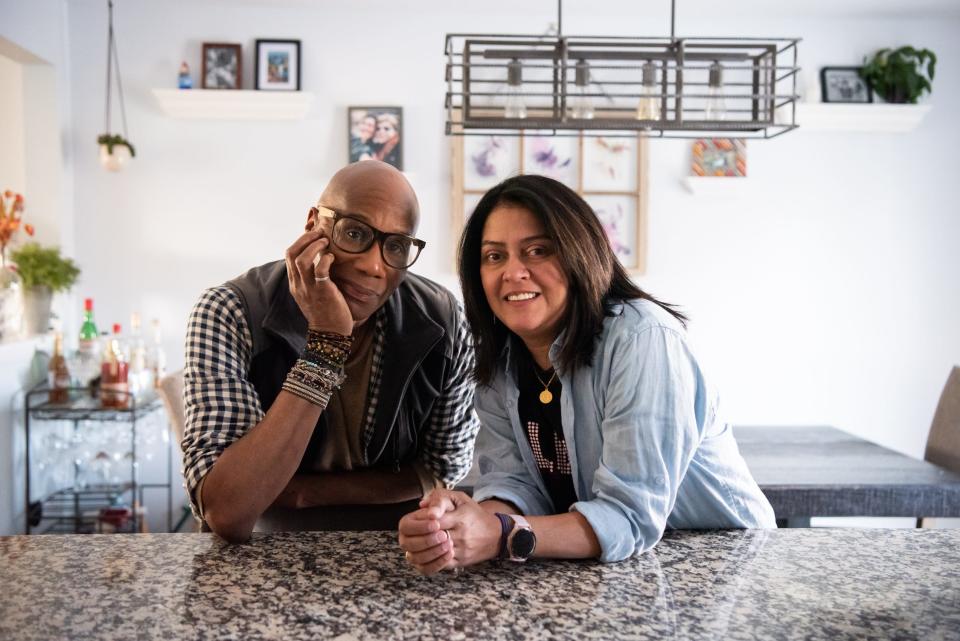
372 187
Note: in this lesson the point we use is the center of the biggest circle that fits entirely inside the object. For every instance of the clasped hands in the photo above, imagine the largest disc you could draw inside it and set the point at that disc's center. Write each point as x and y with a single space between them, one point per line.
450 530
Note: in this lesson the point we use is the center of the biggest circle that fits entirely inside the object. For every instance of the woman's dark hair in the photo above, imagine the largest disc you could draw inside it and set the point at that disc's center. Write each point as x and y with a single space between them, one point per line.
596 279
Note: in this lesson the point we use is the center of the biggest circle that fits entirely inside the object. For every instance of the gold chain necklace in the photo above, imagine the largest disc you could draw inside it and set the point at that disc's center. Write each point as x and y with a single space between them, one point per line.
546 396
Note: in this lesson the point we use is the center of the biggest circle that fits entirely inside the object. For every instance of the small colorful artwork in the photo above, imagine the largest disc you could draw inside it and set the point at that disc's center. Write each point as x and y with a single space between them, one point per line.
720 157
552 156
609 164
489 160
618 215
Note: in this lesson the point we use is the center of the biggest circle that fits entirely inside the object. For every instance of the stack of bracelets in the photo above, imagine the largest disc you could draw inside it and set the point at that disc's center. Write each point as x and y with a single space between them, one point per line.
319 370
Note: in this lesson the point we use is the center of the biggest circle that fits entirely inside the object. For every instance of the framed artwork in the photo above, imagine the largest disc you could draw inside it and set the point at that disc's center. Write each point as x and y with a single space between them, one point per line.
488 160
376 133
557 157
609 173
609 164
844 84
222 66
618 215
277 65
720 157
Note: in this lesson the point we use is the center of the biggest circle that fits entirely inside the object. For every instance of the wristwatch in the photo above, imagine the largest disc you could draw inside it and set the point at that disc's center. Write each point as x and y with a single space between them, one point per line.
517 540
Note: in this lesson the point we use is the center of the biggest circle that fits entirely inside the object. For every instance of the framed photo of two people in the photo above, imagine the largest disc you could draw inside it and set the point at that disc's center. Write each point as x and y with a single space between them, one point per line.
376 133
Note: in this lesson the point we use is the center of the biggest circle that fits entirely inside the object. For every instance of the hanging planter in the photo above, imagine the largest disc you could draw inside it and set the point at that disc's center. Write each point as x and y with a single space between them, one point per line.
115 150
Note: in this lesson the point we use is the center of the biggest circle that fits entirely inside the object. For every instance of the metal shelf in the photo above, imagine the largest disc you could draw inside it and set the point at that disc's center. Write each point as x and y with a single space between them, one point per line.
68 509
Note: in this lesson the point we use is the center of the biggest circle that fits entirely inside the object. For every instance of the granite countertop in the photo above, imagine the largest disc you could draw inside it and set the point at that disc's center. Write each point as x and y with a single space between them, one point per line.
754 584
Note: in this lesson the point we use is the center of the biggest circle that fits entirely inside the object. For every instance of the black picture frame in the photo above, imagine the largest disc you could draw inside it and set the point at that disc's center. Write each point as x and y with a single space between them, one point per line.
222 66
389 150
282 74
844 85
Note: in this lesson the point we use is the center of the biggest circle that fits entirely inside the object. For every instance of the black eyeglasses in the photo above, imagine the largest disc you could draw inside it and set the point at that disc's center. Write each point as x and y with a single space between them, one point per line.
354 236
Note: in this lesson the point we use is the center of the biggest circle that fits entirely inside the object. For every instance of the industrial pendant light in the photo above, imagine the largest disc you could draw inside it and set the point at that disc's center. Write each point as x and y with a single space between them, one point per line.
675 87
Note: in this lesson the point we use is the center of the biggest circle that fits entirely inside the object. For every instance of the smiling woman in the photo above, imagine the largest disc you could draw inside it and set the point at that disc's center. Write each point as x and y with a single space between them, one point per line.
599 428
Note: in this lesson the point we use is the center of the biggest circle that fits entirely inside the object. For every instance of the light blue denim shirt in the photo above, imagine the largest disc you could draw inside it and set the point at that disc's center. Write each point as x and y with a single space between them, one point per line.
646 446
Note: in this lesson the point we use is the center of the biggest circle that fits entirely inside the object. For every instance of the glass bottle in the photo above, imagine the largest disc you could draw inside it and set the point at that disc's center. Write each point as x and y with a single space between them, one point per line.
58 376
139 372
114 386
156 358
88 350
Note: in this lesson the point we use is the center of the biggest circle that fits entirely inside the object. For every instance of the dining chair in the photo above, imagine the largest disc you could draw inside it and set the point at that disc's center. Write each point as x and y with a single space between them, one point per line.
170 389
943 442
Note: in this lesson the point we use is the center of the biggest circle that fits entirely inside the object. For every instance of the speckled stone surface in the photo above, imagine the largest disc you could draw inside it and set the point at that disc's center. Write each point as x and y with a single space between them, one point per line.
777 584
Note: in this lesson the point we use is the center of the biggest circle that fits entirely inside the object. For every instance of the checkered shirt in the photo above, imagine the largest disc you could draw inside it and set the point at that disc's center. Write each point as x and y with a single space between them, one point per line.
221 403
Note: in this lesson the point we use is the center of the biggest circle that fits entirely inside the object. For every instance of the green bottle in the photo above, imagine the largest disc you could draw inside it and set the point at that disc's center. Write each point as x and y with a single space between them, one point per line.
88 352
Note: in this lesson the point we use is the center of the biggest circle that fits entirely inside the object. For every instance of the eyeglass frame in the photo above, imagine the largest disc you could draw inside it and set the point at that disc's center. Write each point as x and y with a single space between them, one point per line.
378 236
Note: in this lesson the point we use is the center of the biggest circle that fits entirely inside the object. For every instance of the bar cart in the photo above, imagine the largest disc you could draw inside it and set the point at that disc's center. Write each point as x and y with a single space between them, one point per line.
75 500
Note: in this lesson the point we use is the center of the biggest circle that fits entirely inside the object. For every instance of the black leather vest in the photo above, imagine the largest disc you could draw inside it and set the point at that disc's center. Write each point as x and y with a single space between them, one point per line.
418 347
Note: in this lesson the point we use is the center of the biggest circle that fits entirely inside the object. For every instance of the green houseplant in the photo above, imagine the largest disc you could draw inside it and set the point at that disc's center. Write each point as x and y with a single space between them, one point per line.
899 75
43 271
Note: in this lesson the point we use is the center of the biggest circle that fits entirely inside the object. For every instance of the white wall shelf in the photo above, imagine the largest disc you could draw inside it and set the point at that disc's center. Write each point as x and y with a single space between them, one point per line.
868 117
213 104
715 186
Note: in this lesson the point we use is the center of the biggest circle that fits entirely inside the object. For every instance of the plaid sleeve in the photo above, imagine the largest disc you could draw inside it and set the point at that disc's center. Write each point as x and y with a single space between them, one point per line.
219 402
447 449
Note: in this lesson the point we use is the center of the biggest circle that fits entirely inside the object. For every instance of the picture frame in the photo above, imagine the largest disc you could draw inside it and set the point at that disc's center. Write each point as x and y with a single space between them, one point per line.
377 133
222 66
721 157
844 85
620 200
277 65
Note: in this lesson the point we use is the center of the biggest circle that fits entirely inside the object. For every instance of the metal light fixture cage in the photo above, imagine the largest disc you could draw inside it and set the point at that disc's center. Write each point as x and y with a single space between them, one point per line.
754 79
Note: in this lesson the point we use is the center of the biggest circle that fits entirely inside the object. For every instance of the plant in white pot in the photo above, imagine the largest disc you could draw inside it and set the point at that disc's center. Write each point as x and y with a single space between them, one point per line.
115 151
43 272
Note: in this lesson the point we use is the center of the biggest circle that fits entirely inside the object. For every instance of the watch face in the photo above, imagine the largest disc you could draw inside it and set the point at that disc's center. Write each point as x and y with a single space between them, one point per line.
522 544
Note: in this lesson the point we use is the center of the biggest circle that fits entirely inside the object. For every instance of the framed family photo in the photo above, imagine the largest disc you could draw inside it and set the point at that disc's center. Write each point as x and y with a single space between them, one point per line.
719 157
376 133
222 66
277 65
844 84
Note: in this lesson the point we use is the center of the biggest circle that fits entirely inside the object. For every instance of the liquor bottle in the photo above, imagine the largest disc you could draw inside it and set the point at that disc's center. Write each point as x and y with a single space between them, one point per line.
114 387
58 376
88 352
156 358
139 373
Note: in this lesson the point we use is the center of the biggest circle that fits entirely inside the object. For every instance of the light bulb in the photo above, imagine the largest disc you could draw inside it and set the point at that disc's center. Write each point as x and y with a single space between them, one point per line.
648 108
716 107
581 104
514 107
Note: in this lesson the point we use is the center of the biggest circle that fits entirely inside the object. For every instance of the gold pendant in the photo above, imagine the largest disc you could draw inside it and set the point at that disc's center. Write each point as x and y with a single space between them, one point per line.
546 396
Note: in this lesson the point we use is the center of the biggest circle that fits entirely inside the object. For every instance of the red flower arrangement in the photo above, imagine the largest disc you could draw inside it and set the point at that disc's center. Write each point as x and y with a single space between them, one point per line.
11 208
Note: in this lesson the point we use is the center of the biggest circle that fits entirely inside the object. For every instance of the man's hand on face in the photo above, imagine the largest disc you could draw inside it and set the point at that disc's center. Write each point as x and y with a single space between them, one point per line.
308 272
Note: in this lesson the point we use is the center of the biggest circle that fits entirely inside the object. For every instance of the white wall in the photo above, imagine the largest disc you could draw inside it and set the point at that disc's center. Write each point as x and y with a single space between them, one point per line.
827 293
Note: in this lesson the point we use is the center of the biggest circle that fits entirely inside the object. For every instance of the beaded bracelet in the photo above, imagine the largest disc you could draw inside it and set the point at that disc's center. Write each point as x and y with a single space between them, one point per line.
319 370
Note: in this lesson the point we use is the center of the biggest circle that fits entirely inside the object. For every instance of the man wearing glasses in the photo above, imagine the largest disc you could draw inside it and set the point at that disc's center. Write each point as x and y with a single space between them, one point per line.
332 389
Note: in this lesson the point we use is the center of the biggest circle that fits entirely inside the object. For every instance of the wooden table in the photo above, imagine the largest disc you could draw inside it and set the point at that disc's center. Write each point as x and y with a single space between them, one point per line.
823 471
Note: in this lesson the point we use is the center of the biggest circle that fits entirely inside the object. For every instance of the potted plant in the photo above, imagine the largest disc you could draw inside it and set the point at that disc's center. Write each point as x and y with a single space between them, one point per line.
43 272
115 151
898 75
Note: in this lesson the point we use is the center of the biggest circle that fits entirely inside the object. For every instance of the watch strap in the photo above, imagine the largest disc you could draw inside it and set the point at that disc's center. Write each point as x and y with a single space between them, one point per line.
506 526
